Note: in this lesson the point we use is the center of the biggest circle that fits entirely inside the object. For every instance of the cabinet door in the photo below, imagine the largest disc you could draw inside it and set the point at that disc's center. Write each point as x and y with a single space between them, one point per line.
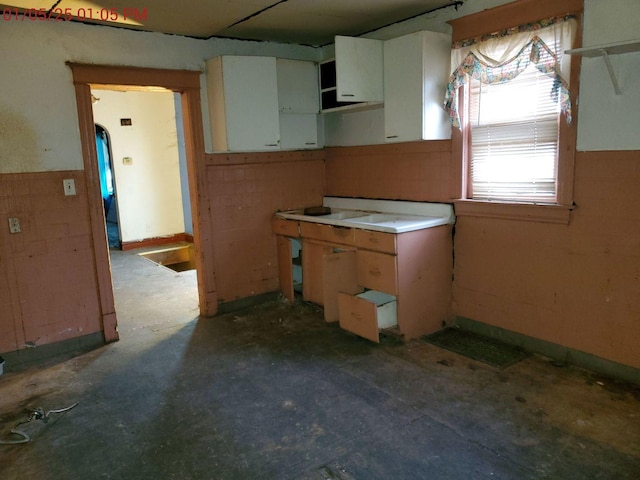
437 62
298 131
249 112
312 270
297 86
403 88
339 272
416 71
359 69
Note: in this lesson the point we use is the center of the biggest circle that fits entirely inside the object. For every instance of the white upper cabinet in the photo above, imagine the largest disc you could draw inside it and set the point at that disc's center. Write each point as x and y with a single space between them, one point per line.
416 72
297 86
243 103
355 76
299 131
359 69
262 103
299 104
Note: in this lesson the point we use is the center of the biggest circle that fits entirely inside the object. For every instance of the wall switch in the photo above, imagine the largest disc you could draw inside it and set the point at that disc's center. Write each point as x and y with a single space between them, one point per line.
127 161
69 186
14 225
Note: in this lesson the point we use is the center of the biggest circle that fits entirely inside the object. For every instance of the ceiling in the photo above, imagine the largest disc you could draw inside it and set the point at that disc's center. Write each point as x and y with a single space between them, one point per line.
307 22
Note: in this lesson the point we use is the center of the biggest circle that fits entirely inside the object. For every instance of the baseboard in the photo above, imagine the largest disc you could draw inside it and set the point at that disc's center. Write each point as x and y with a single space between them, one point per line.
553 350
156 241
247 302
21 359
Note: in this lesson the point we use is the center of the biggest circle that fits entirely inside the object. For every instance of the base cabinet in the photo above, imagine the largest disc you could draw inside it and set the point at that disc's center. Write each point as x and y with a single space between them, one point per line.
370 281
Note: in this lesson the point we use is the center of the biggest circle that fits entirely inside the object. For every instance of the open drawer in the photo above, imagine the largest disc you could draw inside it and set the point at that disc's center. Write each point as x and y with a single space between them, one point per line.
367 313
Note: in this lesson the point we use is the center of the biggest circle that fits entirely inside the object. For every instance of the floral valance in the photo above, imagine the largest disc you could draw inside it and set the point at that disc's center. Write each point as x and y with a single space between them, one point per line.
502 57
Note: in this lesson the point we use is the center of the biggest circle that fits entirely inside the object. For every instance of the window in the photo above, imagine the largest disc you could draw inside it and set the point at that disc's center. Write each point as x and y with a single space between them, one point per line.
513 129
515 137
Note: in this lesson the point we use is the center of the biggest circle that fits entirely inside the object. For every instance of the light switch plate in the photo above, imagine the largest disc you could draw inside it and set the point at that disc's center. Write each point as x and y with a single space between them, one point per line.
69 186
14 225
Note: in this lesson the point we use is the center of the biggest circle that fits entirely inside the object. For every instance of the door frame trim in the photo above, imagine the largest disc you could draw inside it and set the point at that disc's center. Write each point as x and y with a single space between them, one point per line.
187 83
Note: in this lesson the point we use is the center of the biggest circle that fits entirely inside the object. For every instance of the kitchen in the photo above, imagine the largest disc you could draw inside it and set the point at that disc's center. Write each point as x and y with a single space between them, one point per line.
239 394
567 285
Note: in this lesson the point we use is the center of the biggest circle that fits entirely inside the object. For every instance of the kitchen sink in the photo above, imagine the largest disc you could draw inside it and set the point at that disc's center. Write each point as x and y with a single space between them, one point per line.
396 220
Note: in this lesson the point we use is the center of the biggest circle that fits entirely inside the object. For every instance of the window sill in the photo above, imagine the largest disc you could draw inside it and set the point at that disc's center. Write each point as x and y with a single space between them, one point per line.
559 214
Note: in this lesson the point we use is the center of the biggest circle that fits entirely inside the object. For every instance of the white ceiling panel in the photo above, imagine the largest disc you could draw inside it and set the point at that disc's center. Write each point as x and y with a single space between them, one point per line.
312 22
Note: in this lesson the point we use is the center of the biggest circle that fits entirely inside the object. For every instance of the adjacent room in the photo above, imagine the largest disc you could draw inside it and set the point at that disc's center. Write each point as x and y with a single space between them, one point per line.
315 240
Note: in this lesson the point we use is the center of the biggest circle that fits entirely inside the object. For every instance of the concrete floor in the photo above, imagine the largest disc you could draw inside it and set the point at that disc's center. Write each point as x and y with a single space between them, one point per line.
275 393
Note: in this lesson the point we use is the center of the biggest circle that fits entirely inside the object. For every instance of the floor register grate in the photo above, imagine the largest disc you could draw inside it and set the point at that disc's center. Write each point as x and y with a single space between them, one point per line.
477 347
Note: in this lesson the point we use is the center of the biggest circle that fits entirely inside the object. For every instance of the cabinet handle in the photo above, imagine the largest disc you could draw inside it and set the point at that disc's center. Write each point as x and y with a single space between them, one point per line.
347 95
270 144
309 143
392 136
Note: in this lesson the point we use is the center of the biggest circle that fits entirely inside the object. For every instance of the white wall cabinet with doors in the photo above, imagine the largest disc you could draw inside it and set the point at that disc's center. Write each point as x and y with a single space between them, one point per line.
416 72
262 103
354 78
298 104
243 103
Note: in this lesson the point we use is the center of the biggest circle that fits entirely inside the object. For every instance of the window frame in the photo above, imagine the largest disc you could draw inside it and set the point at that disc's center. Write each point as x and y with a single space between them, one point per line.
490 21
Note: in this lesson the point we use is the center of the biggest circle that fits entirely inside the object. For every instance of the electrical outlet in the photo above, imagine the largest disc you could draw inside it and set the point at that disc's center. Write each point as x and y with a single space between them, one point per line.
14 225
69 186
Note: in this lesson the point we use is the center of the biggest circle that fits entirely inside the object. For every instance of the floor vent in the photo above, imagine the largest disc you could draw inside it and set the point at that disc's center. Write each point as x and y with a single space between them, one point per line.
472 345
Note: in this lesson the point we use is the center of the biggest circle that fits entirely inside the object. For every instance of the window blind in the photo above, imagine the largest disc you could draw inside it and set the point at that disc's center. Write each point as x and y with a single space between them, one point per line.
514 139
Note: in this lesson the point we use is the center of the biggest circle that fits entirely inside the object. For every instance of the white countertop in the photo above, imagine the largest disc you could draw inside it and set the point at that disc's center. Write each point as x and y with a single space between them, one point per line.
379 215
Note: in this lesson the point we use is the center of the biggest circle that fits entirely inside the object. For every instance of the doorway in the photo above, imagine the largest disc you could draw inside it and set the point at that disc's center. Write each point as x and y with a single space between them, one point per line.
107 184
187 84
152 197
152 268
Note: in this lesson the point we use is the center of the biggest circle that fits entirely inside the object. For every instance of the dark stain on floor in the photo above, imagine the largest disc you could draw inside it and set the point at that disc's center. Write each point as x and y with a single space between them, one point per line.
274 392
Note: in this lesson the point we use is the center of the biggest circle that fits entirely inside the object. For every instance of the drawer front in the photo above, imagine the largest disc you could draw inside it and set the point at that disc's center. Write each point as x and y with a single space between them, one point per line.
358 316
288 228
378 241
327 233
377 271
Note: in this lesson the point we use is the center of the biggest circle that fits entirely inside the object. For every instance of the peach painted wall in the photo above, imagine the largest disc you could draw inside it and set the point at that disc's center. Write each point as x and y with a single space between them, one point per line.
48 290
244 191
576 285
420 171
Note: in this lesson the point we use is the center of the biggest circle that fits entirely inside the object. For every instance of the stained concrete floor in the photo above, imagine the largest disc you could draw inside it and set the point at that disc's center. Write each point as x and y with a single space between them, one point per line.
273 392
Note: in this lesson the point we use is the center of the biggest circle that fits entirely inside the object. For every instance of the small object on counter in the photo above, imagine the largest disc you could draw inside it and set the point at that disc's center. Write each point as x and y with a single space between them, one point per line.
316 211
